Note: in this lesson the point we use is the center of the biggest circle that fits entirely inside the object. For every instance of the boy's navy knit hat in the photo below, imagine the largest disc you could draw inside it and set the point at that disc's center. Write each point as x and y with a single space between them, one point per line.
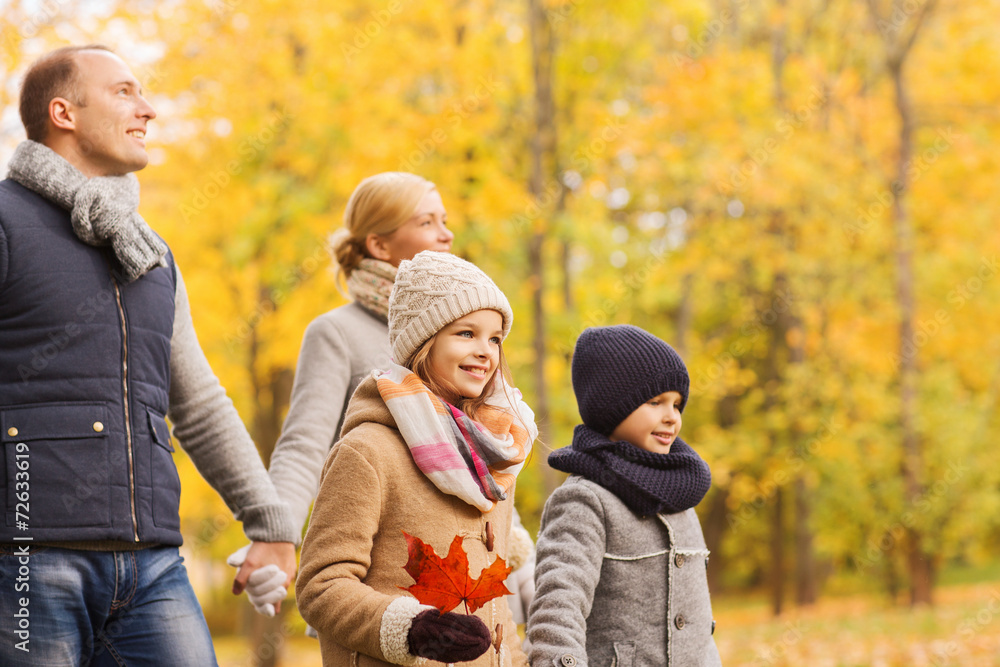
616 369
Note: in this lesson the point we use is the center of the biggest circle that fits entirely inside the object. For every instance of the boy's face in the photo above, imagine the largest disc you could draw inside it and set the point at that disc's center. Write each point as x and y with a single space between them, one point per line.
654 425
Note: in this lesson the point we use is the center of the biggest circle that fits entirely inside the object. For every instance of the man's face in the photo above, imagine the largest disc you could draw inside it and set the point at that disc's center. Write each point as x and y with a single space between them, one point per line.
110 130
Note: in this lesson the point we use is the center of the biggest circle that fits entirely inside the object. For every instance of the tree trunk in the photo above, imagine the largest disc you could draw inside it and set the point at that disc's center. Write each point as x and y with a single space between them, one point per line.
891 576
272 392
919 563
685 314
791 332
542 165
268 637
805 563
567 285
779 53
771 378
785 323
898 45
536 263
778 553
912 463
715 528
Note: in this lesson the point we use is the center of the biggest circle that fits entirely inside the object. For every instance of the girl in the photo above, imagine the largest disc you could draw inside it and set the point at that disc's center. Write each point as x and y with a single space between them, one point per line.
431 448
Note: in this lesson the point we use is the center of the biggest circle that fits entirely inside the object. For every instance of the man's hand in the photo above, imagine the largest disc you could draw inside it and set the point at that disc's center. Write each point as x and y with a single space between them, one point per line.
266 559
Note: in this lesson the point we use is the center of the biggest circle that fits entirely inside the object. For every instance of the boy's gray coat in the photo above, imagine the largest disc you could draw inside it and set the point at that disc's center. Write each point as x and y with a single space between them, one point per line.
614 588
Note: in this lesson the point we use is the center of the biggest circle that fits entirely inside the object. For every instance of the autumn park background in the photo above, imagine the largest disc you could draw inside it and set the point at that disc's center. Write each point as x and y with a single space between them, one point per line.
802 197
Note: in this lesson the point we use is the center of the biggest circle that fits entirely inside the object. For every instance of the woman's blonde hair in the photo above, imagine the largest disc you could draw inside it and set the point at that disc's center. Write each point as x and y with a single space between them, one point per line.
379 205
419 363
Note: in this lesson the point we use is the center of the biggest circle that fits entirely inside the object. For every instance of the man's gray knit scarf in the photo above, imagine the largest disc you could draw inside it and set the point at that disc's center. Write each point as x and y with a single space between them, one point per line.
104 209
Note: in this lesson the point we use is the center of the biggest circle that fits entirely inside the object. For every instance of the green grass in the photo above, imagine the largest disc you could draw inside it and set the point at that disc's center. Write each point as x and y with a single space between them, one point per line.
971 574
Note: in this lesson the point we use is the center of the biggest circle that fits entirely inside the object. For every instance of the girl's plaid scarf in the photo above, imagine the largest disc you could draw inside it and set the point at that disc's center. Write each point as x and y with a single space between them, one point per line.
475 460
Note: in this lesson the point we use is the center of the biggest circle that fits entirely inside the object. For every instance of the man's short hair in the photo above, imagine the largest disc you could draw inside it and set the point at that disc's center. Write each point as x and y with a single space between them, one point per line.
53 75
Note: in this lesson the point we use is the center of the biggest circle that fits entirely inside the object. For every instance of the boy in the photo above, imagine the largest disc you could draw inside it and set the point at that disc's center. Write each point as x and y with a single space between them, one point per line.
621 571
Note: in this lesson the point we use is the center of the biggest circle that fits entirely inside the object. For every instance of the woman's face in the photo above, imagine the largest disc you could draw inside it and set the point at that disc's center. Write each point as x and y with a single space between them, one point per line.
427 229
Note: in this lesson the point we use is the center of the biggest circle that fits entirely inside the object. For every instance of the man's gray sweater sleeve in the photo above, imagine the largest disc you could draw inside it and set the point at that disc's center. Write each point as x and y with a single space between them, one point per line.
569 554
209 429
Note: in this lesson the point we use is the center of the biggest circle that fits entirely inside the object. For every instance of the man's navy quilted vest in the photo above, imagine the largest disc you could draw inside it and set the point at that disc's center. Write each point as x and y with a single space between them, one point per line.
84 382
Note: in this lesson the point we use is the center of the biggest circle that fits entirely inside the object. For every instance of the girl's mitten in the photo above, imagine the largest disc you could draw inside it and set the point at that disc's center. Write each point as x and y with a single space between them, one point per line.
448 637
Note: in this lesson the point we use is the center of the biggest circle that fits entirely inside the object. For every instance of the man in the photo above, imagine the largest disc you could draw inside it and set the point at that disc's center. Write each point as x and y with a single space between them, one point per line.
96 348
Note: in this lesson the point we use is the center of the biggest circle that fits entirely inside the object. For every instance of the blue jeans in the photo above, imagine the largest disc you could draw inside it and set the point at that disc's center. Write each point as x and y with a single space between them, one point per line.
63 607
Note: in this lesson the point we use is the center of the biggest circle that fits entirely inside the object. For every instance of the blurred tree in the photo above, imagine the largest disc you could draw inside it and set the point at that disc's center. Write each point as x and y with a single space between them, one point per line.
900 31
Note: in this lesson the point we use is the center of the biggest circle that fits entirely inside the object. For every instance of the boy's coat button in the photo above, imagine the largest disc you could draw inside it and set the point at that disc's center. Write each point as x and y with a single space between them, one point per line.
679 560
680 622
568 660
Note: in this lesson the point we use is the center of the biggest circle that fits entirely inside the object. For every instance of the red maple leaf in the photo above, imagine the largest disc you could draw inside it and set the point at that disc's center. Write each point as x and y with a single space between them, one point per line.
445 582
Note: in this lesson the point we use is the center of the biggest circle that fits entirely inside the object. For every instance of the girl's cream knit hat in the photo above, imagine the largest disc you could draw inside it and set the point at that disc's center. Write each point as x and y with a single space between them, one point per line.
431 291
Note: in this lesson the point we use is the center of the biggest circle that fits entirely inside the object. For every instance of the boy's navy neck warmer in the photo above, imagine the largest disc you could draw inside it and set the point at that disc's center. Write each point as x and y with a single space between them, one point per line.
648 483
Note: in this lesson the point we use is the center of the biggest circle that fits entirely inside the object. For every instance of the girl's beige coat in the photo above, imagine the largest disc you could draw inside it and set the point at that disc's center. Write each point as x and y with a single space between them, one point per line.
354 550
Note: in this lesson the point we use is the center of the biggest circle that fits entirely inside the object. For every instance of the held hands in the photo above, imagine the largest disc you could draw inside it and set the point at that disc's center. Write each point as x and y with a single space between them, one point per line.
264 569
448 637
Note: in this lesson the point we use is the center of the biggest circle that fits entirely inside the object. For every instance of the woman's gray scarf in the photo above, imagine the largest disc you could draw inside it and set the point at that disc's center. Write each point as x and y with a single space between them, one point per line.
104 209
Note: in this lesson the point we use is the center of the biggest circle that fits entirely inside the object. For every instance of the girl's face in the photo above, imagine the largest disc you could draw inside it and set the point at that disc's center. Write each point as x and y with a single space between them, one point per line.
427 229
465 354
654 425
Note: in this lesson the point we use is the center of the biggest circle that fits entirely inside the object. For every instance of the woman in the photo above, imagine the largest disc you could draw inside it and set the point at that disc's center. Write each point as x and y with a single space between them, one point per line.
390 217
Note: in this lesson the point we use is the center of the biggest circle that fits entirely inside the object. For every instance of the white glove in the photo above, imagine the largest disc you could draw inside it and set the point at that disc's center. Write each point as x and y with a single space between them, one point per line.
265 587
